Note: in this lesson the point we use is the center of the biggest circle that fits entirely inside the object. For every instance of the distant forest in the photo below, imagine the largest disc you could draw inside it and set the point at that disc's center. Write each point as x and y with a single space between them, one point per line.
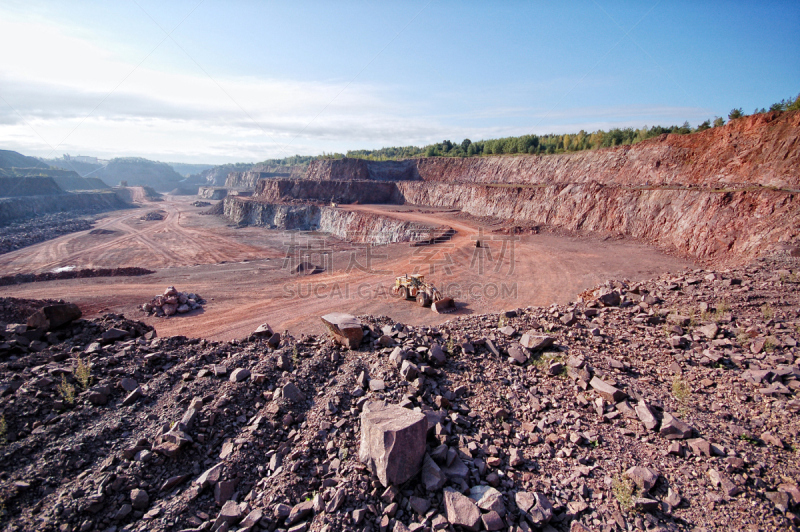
533 144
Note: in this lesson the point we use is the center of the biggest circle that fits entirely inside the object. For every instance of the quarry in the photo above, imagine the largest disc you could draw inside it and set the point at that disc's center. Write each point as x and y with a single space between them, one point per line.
622 355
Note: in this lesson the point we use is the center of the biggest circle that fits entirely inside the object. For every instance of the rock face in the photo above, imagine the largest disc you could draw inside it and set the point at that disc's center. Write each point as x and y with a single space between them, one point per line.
54 316
392 442
345 329
723 192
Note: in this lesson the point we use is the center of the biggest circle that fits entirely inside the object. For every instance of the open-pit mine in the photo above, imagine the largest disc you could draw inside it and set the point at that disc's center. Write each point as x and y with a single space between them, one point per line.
623 354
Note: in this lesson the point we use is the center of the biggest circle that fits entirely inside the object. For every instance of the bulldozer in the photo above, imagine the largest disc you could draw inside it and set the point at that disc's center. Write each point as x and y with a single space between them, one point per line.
414 286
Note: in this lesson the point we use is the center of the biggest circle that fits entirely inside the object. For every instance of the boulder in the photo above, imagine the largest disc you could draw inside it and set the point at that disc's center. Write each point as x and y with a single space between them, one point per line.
263 330
344 328
673 428
53 316
534 341
392 442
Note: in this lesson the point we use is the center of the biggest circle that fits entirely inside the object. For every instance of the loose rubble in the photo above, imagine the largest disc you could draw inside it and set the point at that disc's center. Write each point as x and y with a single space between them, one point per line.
637 415
173 302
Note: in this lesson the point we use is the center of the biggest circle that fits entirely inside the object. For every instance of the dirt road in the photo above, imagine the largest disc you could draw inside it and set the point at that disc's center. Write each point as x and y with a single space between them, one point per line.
244 273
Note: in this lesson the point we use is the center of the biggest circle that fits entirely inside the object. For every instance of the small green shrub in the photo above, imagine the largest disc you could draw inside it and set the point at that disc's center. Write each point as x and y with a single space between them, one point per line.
83 373
3 430
681 390
66 390
623 489
767 311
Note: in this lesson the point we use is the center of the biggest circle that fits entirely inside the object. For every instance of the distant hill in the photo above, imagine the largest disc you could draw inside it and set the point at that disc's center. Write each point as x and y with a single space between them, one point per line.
216 175
189 169
12 159
140 172
83 169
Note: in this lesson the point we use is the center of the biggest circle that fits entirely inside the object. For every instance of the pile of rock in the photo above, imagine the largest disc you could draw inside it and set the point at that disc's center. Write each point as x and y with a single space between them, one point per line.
173 302
153 216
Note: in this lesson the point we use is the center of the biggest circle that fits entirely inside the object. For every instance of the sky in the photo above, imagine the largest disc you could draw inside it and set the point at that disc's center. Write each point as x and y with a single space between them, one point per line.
207 81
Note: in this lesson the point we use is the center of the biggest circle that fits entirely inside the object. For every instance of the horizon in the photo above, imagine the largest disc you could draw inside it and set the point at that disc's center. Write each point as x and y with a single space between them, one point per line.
199 83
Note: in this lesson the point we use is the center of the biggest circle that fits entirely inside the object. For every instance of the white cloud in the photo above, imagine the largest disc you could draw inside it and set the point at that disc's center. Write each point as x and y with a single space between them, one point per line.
66 94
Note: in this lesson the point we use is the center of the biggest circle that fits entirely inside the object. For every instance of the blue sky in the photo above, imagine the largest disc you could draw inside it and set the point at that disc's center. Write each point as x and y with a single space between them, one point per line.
207 81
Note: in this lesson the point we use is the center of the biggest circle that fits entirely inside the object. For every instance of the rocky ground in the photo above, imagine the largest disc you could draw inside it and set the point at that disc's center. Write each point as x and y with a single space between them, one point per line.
44 227
665 405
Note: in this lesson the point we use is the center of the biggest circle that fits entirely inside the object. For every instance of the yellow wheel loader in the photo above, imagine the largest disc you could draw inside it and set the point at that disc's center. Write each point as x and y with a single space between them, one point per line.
415 287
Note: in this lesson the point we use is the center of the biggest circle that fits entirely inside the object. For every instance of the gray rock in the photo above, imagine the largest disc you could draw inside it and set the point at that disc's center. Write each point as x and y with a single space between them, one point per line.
344 328
461 510
517 354
299 512
606 391
392 442
673 428
140 499
53 316
534 341
643 477
432 476
292 393
239 374
210 476
646 416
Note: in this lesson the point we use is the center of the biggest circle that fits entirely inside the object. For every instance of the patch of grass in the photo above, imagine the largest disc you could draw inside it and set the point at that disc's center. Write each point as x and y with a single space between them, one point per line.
451 345
83 373
681 390
343 454
295 354
748 439
502 321
769 346
3 430
767 311
623 489
66 390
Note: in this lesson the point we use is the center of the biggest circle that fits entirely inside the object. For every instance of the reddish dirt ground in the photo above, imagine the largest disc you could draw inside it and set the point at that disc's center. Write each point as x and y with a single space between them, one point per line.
244 273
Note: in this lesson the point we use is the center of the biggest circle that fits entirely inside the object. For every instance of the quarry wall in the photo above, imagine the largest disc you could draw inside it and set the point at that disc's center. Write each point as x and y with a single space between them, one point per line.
349 225
342 191
728 192
24 207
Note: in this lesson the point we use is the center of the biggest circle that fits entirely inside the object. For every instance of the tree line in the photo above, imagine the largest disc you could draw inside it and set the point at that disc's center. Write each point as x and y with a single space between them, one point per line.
535 144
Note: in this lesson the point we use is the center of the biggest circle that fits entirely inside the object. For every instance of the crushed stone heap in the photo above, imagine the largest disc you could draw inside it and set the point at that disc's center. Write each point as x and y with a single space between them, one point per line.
669 404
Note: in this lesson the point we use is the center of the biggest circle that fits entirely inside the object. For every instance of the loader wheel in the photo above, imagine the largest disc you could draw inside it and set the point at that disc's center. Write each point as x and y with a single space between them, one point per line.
403 292
422 300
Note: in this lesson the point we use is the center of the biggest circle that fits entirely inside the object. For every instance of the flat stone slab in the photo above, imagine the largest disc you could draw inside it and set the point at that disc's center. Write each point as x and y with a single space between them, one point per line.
344 328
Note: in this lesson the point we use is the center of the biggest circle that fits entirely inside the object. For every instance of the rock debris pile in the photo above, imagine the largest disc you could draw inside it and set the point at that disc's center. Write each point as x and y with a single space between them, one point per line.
173 302
669 405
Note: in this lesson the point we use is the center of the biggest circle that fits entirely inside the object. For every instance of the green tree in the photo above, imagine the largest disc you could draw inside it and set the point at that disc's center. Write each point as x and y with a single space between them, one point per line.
735 113
705 125
719 121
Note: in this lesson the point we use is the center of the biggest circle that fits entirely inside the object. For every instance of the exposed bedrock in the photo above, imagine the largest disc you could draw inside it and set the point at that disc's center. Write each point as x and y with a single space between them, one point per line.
728 192
759 150
327 191
86 202
703 224
350 225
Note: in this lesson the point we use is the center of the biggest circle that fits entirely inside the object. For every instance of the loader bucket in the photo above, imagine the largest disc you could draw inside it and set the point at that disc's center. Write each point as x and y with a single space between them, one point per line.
444 306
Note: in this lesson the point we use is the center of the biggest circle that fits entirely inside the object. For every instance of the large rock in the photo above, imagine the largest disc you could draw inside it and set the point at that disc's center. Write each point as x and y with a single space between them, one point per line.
461 510
392 442
345 329
53 316
673 428
606 391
